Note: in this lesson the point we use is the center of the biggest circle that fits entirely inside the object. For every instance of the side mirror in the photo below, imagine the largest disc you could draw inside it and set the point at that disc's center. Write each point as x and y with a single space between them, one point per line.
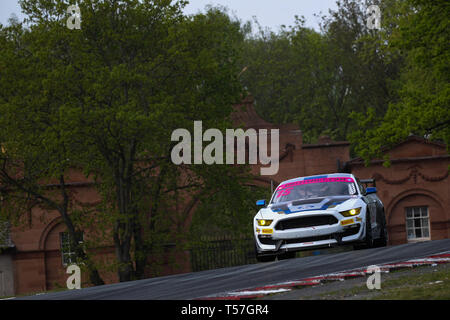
370 190
261 203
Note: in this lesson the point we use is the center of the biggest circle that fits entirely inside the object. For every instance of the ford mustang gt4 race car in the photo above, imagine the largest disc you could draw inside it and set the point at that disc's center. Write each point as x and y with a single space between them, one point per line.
318 211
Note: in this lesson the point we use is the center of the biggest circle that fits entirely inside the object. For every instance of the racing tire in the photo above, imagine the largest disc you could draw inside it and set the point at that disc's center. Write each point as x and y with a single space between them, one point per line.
264 258
383 240
286 255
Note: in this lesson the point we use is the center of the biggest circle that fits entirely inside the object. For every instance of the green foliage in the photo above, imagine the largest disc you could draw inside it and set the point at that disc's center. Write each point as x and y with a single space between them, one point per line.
371 87
319 79
107 97
415 32
228 212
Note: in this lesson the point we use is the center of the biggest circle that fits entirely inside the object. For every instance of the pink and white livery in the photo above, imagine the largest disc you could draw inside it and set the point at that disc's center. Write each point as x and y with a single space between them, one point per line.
319 211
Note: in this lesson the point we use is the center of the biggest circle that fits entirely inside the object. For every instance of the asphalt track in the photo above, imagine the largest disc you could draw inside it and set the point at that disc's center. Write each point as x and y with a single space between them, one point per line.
202 284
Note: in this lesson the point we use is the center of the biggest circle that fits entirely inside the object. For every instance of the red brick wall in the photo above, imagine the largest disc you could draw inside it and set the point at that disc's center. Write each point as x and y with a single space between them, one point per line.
412 182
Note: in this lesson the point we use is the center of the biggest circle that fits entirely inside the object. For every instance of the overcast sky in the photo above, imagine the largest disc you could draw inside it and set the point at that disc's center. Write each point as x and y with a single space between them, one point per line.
269 13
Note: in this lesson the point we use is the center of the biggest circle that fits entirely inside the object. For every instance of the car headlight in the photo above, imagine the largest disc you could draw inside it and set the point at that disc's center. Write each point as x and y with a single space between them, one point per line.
264 222
351 212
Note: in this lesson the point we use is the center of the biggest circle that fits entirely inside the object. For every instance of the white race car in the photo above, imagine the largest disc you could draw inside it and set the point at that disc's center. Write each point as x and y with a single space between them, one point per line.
318 211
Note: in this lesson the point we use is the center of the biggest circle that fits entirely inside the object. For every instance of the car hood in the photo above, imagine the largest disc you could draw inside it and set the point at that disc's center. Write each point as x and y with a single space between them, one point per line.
323 203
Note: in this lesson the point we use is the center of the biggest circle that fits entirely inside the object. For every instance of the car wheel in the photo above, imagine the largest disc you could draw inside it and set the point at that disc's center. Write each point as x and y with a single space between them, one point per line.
368 240
286 255
264 258
383 240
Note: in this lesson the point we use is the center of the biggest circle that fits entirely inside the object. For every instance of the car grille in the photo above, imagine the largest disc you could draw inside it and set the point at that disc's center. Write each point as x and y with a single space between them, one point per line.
346 233
266 240
305 222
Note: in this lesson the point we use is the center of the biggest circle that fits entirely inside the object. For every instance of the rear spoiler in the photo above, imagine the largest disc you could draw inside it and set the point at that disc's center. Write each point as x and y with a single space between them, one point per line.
368 181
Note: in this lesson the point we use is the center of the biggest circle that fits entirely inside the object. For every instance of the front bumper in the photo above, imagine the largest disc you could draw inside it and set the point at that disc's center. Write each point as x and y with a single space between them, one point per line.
340 231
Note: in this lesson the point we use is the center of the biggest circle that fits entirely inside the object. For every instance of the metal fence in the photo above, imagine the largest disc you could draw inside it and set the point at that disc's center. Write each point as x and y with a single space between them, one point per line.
221 253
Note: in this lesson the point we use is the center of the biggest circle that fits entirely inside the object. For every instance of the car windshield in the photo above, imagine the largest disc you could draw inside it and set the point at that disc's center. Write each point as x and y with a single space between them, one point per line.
310 188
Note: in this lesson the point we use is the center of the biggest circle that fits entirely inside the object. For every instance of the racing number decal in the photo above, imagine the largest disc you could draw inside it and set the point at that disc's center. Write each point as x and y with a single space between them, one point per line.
351 189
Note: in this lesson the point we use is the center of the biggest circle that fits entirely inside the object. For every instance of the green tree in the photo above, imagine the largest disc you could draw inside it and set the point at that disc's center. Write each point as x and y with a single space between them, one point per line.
35 148
416 33
118 87
280 70
320 79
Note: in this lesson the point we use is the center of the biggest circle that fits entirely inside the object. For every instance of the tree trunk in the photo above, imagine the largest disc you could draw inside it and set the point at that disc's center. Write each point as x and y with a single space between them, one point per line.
140 251
75 239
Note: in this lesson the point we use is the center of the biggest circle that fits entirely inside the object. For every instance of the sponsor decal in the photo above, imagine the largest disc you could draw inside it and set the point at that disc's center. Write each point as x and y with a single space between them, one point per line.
347 222
290 185
285 189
